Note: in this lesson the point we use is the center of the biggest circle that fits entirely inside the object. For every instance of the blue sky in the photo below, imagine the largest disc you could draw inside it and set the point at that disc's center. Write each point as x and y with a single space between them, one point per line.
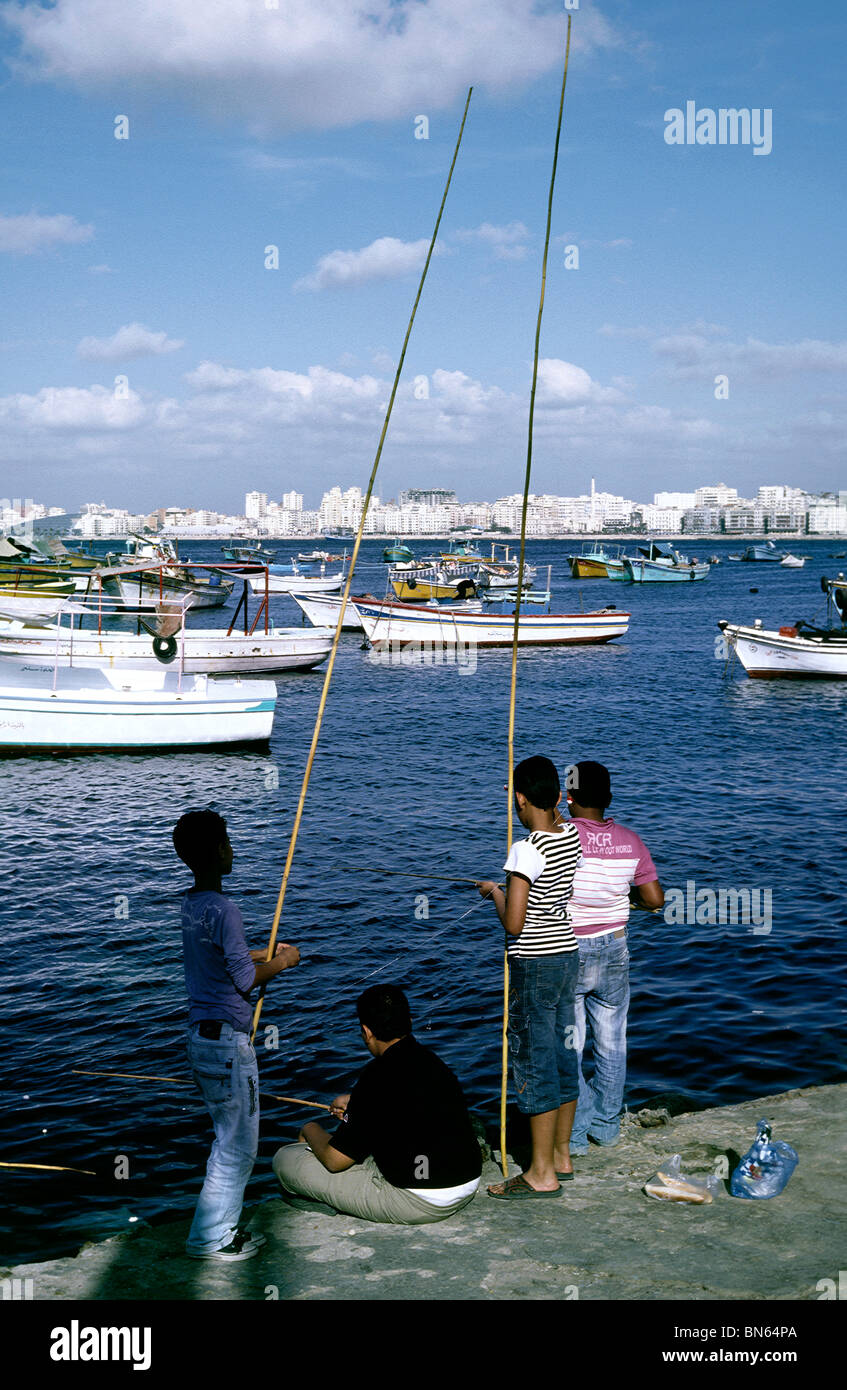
294 126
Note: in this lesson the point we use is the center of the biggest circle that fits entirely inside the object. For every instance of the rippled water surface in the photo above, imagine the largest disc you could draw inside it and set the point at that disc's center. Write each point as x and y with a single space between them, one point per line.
733 783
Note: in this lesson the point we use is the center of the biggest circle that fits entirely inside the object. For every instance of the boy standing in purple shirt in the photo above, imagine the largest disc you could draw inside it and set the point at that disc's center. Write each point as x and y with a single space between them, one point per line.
616 868
220 972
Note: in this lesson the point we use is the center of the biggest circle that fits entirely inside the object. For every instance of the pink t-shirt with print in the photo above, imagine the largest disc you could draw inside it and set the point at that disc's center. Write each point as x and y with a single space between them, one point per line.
613 858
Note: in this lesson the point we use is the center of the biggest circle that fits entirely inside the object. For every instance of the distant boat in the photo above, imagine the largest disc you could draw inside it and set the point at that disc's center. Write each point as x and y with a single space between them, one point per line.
397 554
660 563
116 711
295 582
501 572
794 562
763 554
734 557
597 561
386 622
248 553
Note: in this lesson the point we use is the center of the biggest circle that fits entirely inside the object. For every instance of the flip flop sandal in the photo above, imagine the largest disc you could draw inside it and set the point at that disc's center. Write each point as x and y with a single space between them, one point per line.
519 1188
565 1177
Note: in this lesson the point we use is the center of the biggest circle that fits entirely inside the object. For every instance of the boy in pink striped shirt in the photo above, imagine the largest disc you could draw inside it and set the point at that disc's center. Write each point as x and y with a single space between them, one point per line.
616 869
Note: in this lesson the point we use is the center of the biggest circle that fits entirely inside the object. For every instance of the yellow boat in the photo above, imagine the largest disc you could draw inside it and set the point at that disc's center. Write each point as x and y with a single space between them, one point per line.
411 589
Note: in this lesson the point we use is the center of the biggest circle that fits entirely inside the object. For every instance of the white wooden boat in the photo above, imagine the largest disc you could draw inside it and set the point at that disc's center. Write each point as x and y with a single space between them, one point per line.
789 653
793 562
85 711
30 607
207 651
386 622
323 610
296 583
145 587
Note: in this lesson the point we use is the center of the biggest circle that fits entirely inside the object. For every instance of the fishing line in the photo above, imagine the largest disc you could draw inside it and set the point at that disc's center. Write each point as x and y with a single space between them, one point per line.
331 662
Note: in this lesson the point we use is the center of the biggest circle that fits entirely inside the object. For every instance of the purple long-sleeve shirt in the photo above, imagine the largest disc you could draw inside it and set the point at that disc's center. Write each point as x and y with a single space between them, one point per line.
219 970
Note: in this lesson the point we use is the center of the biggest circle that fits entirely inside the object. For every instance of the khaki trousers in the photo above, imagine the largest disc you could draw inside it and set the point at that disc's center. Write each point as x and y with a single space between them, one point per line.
358 1191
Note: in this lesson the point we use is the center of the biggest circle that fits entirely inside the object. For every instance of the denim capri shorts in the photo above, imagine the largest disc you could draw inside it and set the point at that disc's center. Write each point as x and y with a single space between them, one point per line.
541 1030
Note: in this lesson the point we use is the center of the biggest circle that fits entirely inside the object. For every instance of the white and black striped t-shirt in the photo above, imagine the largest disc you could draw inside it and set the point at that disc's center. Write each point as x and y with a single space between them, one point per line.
548 860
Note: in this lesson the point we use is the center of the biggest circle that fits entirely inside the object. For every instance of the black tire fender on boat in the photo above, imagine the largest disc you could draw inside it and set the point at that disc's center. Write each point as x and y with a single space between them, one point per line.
824 584
164 649
411 582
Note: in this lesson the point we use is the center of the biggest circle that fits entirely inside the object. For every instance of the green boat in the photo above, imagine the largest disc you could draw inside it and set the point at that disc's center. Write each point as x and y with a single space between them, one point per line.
397 554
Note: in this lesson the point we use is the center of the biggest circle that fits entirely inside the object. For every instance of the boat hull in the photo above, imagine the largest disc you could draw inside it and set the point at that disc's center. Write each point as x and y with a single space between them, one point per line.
296 583
583 567
653 572
323 610
769 655
150 592
399 623
94 711
207 652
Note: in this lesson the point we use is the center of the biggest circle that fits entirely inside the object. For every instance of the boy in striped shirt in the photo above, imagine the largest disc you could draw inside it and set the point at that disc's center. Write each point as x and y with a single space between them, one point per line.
543 967
616 868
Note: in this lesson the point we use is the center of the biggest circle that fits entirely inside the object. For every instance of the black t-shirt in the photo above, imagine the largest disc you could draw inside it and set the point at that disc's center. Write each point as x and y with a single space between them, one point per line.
408 1110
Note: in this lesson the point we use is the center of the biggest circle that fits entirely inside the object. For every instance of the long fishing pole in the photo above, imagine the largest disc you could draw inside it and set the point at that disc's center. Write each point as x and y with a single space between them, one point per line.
514 676
331 662
181 1081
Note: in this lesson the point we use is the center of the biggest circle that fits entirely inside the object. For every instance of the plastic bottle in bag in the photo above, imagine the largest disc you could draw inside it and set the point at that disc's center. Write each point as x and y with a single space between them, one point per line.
765 1168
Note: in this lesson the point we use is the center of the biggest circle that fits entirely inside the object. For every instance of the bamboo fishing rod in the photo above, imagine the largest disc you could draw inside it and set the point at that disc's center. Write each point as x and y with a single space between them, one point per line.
346 594
181 1081
514 674
51 1168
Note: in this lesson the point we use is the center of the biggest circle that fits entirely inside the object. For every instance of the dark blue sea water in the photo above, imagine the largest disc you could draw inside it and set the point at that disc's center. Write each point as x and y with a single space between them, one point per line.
732 783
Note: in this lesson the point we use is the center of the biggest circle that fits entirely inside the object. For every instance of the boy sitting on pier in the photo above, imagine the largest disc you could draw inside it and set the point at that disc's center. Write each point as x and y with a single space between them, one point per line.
405 1151
220 972
543 966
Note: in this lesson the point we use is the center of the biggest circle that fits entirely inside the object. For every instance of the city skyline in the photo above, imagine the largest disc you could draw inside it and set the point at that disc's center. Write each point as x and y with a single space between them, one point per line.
212 240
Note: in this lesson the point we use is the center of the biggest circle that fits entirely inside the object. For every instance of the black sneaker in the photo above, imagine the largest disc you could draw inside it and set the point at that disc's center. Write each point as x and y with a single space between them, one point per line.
243 1246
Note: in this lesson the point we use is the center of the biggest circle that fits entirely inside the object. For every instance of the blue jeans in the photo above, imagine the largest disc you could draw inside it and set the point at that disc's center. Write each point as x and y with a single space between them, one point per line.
541 1030
602 999
226 1074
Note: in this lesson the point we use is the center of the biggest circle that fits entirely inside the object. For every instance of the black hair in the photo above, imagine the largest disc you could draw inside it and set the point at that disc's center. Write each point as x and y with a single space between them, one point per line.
591 786
197 836
537 779
385 1010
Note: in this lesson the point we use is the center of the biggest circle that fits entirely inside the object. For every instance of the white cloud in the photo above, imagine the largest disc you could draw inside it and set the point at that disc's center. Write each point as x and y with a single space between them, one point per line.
693 354
387 258
564 384
133 340
508 242
301 65
25 235
73 409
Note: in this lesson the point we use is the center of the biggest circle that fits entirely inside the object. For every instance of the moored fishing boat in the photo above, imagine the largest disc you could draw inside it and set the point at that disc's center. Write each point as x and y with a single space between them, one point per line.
657 562
597 561
795 651
384 621
421 584
209 651
323 609
31 606
97 710
397 554
295 582
763 553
